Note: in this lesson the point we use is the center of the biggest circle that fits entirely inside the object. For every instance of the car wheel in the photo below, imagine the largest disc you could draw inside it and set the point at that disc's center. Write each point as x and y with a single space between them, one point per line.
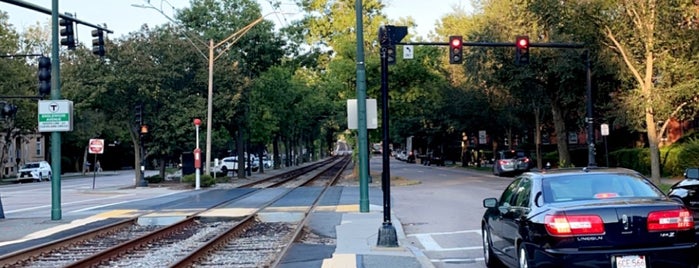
488 255
224 169
523 258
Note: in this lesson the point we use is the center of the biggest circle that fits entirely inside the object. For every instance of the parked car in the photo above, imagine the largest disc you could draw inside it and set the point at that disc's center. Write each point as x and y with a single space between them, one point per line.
589 217
231 164
686 191
267 162
511 162
36 171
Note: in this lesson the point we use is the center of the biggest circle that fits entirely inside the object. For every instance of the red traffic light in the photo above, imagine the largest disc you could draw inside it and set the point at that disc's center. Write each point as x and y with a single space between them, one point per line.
522 42
456 42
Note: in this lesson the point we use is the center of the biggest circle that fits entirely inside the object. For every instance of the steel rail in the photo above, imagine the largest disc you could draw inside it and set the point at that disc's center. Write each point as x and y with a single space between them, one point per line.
238 229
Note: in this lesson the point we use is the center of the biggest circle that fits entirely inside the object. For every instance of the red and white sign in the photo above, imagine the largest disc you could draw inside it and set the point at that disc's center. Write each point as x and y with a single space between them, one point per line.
96 146
197 158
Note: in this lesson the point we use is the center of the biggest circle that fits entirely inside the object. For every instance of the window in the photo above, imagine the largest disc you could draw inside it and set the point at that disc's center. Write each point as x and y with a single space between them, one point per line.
38 147
523 193
597 186
505 199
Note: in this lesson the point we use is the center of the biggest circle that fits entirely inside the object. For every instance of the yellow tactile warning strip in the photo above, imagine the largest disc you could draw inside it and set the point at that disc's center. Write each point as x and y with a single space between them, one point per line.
347 208
341 261
119 213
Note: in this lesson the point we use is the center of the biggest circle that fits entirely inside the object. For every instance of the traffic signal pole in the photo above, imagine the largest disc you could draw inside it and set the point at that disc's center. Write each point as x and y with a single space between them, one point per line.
363 142
56 213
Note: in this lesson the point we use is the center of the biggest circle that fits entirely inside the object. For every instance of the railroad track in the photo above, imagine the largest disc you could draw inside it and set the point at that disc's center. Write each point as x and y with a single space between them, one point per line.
193 241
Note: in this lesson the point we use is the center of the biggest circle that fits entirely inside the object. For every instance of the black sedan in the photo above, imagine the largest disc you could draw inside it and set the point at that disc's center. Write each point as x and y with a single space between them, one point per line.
586 217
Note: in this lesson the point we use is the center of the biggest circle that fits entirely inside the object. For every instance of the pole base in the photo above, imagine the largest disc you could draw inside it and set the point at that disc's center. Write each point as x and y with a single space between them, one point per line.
387 236
2 212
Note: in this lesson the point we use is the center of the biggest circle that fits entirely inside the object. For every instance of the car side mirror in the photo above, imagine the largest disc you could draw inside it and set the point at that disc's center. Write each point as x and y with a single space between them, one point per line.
691 173
491 202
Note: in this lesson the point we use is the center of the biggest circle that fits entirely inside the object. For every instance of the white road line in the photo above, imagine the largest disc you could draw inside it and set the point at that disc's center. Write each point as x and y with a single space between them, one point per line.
477 231
455 249
62 204
428 242
468 260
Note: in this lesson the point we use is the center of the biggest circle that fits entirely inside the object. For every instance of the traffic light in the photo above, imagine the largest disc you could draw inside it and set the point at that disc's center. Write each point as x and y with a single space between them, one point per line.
68 32
44 76
522 50
456 49
8 109
98 42
139 114
391 54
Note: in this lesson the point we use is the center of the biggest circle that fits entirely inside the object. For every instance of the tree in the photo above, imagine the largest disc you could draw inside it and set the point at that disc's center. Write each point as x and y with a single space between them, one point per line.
659 50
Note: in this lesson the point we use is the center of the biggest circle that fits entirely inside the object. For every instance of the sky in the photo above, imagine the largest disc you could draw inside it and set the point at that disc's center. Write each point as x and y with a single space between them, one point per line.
122 18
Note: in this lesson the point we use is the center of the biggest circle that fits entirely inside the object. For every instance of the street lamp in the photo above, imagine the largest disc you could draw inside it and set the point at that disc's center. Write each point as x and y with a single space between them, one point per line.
230 40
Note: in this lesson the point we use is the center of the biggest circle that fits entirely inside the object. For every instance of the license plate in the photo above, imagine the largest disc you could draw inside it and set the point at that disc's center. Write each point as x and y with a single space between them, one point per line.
630 261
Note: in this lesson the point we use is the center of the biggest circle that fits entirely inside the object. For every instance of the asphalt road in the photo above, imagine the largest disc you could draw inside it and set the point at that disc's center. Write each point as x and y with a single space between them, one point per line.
441 215
35 199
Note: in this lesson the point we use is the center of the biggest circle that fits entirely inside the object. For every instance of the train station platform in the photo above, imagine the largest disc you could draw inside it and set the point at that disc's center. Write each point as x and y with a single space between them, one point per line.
354 233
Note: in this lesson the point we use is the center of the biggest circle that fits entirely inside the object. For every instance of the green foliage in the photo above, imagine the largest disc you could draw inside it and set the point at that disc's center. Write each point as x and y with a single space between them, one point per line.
633 158
154 179
639 159
689 155
204 180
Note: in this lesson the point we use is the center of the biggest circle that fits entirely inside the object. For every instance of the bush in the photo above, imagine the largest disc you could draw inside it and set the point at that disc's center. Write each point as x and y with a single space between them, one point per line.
205 180
639 159
688 156
154 179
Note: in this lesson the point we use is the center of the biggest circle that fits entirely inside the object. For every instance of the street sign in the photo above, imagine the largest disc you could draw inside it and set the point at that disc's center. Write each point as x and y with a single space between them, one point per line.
481 137
55 115
372 121
604 128
408 52
96 146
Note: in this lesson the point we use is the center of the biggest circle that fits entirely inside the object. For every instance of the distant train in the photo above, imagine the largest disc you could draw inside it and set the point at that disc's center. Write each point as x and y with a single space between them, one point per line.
342 148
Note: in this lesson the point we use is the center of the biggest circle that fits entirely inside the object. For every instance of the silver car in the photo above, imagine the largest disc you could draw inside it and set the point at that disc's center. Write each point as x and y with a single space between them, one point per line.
511 162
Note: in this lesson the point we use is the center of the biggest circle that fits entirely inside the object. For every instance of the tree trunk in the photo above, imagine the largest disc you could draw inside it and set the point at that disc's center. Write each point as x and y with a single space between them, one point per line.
240 147
653 142
561 135
275 147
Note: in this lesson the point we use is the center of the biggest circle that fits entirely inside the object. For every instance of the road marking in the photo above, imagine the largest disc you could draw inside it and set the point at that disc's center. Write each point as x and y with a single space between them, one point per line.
466 260
478 231
430 244
62 204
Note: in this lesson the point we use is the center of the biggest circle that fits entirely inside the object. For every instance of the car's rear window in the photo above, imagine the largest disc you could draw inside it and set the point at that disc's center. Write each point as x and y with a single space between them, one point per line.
597 186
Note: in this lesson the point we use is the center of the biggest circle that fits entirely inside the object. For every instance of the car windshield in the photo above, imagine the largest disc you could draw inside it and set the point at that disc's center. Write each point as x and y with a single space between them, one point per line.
31 165
597 186
513 154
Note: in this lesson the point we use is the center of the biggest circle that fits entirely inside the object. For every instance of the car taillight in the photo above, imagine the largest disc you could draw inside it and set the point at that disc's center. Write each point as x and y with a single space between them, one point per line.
666 220
571 225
